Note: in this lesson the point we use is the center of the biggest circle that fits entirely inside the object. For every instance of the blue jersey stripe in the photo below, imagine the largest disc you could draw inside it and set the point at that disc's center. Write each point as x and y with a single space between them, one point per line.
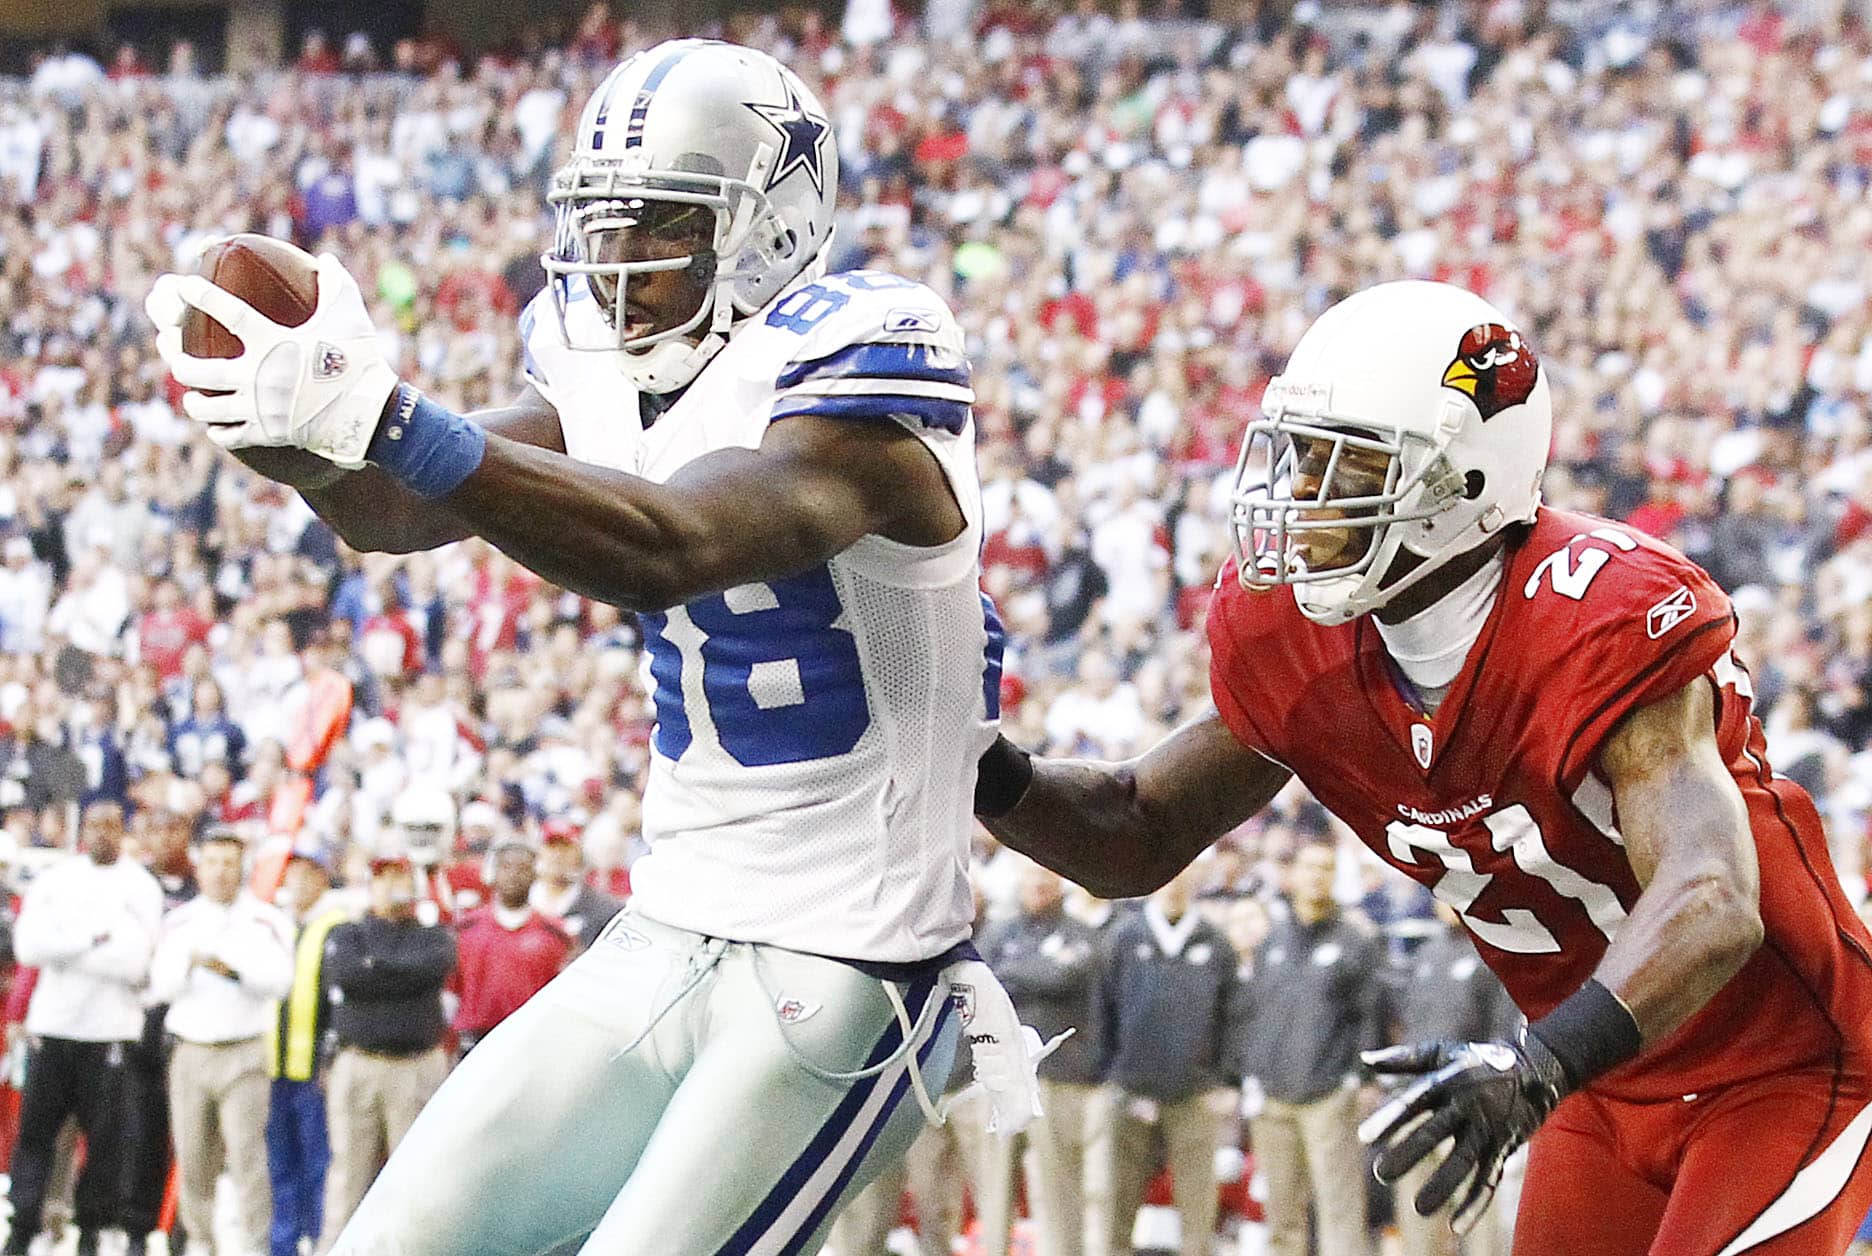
528 319
940 412
992 655
640 108
672 735
878 361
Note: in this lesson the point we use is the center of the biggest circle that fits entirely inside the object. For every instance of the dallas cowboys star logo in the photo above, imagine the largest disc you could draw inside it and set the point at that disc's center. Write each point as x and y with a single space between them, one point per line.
802 133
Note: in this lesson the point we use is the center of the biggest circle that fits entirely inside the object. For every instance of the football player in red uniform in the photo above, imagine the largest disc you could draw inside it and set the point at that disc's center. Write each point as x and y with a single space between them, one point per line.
1537 715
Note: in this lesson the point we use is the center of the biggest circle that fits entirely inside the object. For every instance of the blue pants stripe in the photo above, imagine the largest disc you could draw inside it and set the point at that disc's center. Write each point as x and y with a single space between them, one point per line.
808 1161
837 1191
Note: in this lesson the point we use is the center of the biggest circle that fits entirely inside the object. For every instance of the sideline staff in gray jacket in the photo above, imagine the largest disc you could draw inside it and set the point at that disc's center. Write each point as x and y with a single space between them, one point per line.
1315 1000
1163 998
1048 963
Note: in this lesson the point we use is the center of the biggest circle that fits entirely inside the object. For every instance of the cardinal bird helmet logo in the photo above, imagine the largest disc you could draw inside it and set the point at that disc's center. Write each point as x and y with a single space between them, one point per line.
1494 368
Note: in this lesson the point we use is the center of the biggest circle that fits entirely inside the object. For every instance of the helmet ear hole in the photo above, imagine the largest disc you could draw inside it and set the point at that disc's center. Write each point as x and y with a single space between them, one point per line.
1473 484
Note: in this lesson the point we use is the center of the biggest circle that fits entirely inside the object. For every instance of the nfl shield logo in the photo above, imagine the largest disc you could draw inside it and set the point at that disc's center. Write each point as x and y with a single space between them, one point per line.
792 1011
963 996
328 362
1421 744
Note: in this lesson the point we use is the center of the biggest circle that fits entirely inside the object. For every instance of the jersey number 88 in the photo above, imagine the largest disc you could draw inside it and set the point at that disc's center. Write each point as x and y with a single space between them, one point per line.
782 682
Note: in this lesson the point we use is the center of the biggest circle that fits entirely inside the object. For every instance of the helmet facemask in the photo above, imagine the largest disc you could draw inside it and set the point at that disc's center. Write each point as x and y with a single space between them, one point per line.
615 227
1317 500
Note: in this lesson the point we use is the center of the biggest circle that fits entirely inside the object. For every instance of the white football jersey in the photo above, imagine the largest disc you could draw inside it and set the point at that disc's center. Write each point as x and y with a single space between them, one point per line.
813 768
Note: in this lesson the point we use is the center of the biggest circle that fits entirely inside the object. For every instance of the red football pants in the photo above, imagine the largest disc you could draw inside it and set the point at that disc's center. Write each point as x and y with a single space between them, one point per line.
1773 1167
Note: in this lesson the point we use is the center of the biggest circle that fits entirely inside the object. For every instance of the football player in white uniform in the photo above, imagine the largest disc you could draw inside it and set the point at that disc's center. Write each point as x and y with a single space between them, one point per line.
776 468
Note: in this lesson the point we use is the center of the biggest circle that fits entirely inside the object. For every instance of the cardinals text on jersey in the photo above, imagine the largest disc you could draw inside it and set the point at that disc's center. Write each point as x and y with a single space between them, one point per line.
816 736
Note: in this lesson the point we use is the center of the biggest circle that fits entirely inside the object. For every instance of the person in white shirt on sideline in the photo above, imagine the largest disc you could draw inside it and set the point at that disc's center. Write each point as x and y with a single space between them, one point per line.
223 958
89 926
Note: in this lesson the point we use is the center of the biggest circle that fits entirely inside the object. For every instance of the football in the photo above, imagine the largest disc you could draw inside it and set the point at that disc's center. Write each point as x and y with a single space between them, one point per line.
281 281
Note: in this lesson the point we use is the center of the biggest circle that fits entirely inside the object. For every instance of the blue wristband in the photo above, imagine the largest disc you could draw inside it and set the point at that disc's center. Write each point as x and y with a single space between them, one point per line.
426 446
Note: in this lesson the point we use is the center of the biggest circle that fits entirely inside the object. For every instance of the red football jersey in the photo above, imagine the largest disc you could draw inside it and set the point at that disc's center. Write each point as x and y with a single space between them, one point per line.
1499 806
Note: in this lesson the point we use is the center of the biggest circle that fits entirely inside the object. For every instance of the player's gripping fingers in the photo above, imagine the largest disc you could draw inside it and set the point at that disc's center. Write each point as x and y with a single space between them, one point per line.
1409 1059
1416 1142
1426 1093
1481 1190
240 318
237 435
1463 1164
338 292
202 374
214 411
165 307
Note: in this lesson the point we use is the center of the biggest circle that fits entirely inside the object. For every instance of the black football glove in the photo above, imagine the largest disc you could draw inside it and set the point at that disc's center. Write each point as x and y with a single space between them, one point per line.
1489 1097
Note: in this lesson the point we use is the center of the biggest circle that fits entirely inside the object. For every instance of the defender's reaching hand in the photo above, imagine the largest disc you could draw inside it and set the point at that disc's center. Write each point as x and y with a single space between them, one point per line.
1486 1097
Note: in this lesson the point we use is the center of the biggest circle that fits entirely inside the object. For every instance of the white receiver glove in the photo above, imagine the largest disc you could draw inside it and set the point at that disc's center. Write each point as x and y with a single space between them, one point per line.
1007 1053
320 386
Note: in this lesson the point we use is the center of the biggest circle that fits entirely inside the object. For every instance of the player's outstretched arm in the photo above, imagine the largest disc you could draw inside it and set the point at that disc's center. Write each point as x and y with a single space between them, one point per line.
1124 829
813 488
376 514
1686 831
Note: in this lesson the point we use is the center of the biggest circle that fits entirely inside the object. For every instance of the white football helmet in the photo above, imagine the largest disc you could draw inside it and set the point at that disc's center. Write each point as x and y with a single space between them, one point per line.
423 822
690 125
1414 418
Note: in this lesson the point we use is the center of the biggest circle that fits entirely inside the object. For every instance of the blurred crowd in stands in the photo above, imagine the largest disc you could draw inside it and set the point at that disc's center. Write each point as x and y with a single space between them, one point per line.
1134 215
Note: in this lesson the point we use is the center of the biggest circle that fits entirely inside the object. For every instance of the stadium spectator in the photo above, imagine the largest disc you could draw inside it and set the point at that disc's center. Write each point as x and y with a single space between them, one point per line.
465 874
1165 976
165 852
298 1144
25 597
223 958
563 893
387 971
39 773
1315 1000
89 925
508 950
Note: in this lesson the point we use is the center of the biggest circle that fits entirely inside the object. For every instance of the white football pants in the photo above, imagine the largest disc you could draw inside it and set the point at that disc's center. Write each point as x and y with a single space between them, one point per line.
645 1103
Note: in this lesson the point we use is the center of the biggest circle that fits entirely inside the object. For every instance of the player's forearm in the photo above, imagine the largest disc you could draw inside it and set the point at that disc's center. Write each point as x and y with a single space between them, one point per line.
1698 916
1692 929
1124 829
375 514
1084 821
600 533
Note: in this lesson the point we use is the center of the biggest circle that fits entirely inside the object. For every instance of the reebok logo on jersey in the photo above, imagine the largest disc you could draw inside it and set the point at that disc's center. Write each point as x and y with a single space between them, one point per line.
625 938
910 320
1672 611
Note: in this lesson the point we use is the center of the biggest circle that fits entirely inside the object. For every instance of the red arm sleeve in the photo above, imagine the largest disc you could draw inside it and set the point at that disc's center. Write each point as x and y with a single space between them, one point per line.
1231 675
